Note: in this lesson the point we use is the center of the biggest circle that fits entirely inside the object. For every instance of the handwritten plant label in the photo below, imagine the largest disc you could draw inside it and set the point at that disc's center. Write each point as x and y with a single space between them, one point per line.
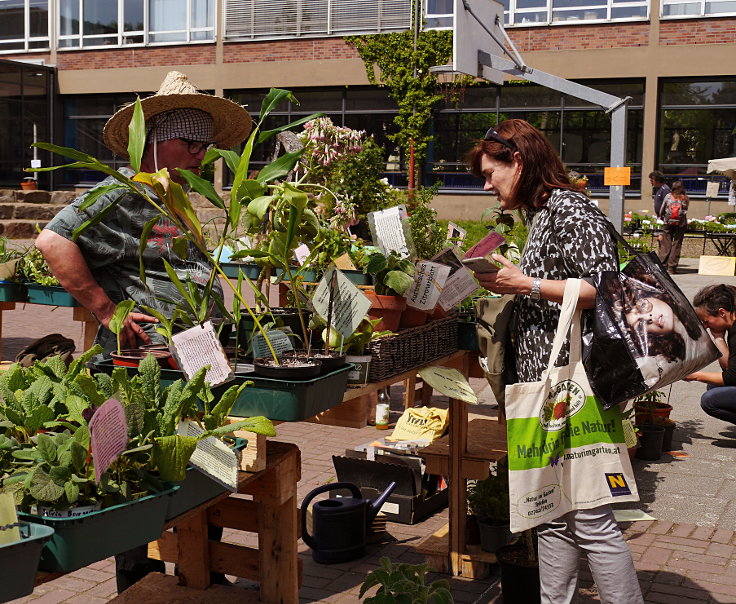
279 341
449 382
212 456
428 284
108 430
349 305
198 347
387 228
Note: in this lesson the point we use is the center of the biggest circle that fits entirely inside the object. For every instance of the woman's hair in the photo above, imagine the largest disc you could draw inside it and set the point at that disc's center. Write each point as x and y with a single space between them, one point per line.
541 168
714 297
678 189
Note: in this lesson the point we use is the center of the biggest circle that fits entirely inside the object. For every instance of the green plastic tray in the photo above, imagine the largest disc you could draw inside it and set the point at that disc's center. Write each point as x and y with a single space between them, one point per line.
84 539
50 295
19 561
10 291
231 269
278 400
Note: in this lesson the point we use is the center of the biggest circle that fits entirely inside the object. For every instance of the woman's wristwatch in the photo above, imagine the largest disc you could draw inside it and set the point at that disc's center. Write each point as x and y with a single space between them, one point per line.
535 294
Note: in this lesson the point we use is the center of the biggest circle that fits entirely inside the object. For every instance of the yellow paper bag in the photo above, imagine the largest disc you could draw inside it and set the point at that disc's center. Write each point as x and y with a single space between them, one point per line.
421 423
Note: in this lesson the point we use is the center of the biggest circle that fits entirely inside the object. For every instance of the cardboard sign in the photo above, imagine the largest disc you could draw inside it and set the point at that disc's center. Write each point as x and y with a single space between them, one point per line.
279 341
108 431
349 305
198 347
711 189
212 457
344 263
613 177
449 382
387 228
428 285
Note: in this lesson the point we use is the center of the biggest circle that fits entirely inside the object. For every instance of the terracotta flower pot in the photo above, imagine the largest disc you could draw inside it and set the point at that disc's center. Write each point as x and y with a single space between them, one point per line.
28 185
413 317
386 308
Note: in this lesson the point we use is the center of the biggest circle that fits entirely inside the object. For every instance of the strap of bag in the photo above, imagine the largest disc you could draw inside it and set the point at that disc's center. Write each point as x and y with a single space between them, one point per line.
567 314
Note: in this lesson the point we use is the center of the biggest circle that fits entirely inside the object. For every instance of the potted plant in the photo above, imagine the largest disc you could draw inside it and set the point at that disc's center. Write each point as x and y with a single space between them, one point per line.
398 583
488 502
392 278
652 418
41 285
354 348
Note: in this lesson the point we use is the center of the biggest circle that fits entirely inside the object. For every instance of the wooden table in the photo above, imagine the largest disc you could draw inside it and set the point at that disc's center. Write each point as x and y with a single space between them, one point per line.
464 453
272 514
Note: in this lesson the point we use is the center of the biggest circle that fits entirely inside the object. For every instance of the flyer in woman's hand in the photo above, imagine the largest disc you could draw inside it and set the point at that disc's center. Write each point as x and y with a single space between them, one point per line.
479 257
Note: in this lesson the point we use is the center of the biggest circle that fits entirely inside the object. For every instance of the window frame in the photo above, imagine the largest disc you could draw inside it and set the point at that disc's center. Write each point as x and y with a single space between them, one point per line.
27 39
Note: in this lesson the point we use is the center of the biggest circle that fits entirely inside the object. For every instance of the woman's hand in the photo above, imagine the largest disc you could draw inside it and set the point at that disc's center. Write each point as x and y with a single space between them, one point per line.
507 280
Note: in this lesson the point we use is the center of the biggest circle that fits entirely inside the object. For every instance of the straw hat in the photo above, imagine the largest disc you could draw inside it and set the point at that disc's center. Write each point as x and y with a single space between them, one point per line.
232 123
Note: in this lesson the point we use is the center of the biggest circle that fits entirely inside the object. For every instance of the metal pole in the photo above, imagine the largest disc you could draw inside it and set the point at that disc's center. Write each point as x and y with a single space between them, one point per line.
618 159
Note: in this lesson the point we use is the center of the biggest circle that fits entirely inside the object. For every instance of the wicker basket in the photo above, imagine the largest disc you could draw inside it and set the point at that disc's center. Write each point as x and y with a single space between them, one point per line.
411 347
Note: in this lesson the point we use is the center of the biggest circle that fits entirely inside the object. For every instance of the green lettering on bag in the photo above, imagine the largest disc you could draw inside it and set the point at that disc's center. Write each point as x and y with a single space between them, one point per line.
532 447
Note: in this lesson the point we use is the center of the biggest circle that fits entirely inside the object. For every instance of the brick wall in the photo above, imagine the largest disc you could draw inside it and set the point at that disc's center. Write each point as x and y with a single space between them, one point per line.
194 54
697 31
578 37
288 50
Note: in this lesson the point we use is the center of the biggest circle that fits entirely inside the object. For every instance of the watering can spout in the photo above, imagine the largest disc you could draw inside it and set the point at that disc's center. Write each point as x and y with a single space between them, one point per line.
376 505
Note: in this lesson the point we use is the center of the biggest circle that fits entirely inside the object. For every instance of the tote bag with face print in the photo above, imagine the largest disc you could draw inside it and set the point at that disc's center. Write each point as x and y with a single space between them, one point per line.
565 451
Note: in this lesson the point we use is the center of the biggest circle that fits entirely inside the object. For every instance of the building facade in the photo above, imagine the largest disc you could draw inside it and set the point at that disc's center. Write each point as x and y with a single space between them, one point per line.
674 58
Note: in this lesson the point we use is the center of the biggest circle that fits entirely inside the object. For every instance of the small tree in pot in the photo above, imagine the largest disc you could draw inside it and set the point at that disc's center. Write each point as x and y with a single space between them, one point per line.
488 501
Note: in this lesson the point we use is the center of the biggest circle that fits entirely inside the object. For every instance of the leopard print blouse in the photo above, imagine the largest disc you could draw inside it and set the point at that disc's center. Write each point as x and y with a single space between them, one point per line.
567 238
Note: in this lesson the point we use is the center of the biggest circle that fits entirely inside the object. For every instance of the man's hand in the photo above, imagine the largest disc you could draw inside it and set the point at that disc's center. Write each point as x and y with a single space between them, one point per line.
132 332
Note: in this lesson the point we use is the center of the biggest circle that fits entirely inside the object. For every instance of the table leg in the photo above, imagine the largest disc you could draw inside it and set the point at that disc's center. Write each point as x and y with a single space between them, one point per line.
89 330
194 552
4 306
457 503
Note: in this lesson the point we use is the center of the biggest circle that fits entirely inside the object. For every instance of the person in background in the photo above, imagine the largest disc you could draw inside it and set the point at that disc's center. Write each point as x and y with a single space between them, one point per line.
660 190
674 214
716 307
568 238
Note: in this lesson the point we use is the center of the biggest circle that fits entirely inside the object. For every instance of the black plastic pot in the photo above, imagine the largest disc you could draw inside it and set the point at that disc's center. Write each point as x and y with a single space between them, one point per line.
519 580
650 442
493 536
265 368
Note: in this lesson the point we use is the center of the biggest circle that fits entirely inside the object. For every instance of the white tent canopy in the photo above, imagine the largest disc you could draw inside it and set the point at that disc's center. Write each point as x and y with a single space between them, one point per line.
725 165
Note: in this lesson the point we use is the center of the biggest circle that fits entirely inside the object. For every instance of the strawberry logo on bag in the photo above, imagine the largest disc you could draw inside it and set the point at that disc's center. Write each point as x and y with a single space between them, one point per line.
564 400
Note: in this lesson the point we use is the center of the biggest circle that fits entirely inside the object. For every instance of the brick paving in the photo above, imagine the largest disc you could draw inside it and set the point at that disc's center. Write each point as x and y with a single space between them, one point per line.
686 555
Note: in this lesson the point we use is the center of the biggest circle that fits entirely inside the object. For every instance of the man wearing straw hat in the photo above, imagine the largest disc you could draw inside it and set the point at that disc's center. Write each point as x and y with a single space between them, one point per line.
101 268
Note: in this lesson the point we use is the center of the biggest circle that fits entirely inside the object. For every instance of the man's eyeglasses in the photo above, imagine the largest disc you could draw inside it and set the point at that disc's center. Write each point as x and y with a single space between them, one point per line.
493 135
195 147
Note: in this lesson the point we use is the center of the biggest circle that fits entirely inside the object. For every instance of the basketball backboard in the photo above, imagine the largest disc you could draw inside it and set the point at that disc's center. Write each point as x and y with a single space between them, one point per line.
470 36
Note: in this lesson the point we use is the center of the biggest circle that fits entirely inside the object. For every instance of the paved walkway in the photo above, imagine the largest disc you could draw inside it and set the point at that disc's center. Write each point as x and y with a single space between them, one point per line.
686 555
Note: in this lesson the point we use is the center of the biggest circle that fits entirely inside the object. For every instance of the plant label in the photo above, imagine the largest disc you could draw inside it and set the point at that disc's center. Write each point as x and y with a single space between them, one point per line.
389 229
108 431
301 253
711 189
198 347
449 382
212 457
344 263
460 283
455 234
279 341
349 305
428 284
9 532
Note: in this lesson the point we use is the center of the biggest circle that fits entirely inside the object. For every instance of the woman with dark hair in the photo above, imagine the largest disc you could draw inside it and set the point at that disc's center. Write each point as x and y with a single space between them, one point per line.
568 238
716 307
674 214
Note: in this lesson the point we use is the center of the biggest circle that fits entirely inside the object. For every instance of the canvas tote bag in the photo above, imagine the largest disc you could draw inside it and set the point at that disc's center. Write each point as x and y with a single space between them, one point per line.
565 451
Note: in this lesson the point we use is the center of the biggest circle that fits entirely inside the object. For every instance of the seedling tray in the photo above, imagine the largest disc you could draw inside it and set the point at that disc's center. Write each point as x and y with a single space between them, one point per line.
93 536
50 295
10 291
278 400
231 269
19 561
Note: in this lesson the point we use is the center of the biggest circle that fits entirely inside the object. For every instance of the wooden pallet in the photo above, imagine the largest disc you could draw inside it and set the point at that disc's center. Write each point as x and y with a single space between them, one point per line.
435 547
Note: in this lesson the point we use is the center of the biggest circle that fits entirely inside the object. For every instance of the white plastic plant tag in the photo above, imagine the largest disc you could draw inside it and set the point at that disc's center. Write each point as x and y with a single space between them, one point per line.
198 347
387 227
108 431
279 340
349 305
429 282
301 253
449 382
212 456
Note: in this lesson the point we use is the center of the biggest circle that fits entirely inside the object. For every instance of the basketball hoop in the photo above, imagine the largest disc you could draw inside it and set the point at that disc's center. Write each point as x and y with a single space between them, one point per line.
451 84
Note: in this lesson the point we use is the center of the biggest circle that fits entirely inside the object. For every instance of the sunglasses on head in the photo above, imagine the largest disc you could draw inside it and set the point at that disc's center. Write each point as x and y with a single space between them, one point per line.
493 135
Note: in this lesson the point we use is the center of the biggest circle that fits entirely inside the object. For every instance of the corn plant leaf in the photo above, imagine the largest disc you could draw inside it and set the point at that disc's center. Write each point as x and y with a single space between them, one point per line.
136 136
279 167
122 310
241 171
43 488
145 235
172 454
266 134
174 278
96 193
260 205
203 187
231 158
96 219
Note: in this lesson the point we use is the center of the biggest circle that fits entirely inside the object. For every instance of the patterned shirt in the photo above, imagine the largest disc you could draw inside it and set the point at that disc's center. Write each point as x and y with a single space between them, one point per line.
111 249
568 238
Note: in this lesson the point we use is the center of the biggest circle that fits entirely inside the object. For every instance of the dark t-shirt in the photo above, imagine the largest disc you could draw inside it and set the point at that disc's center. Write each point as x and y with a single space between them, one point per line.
729 374
659 196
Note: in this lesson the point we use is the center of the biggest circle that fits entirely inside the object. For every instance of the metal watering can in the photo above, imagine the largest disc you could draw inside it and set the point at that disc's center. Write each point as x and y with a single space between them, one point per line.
340 526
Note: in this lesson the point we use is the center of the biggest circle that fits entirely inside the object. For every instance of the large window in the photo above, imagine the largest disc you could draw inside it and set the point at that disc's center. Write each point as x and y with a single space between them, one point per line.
439 13
688 9
24 25
91 23
264 19
697 122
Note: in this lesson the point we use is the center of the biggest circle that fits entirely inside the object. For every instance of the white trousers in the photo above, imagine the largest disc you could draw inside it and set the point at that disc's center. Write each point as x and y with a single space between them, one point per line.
596 534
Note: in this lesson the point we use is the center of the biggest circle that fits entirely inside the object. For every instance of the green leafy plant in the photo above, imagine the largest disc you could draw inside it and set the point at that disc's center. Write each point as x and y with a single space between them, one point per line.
33 268
392 275
404 584
117 321
428 235
358 340
488 499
